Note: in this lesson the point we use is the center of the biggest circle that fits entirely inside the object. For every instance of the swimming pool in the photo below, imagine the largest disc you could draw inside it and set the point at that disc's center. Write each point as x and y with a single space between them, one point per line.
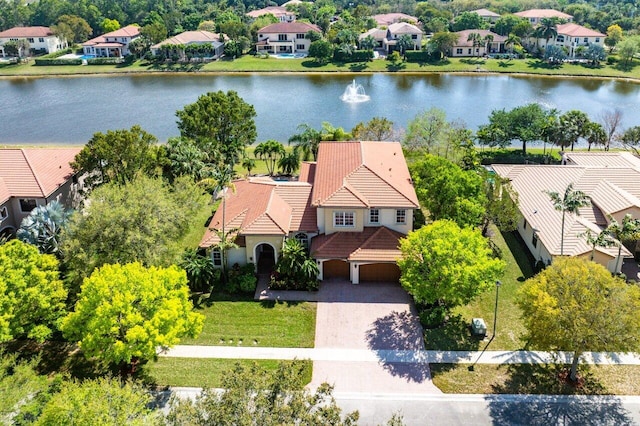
85 57
289 55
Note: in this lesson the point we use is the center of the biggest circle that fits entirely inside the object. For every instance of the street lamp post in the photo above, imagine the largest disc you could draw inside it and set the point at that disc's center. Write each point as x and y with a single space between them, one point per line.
495 310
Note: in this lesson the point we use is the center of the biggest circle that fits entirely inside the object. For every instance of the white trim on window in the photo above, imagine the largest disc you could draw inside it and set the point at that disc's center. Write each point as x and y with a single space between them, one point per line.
374 216
216 258
344 219
401 217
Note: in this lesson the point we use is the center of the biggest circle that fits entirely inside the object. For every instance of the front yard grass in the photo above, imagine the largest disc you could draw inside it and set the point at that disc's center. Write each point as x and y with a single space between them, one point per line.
536 379
195 372
241 321
455 335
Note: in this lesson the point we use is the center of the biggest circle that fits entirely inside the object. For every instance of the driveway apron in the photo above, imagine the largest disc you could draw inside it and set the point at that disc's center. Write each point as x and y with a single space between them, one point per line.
372 316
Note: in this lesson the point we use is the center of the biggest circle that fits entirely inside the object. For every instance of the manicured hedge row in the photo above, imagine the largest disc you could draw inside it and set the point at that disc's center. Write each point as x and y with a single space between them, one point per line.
54 61
58 53
418 56
104 61
356 56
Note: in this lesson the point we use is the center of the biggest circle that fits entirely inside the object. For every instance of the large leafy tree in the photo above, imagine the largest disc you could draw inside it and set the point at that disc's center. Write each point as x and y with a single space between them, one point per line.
570 202
321 51
32 296
502 204
222 124
445 265
270 152
426 131
630 139
576 305
376 129
43 227
468 21
125 312
117 156
19 382
256 396
574 125
141 221
442 43
448 192
73 29
99 401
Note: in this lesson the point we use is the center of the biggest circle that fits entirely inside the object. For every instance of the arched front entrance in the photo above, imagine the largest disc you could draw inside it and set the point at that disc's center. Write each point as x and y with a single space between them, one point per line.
265 255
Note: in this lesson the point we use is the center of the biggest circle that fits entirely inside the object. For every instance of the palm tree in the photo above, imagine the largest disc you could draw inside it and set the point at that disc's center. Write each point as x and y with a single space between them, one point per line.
476 41
547 29
629 229
43 226
571 202
368 43
307 142
249 164
512 41
289 163
488 39
270 151
404 43
601 239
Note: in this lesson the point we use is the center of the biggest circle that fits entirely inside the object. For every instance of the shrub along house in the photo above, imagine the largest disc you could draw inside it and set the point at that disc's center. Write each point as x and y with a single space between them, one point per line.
350 208
192 44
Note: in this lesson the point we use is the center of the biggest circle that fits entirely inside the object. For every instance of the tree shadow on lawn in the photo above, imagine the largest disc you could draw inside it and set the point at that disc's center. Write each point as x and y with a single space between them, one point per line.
473 61
454 335
540 386
396 66
521 254
270 304
360 66
505 64
538 64
312 64
625 66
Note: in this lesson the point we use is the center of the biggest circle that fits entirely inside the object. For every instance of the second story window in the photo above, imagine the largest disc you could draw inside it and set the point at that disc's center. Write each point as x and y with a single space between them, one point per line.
26 205
374 216
30 40
401 216
282 37
344 219
300 36
41 40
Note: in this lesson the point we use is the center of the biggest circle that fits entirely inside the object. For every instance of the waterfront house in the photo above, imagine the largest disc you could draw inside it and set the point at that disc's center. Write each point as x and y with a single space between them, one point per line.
40 39
31 177
285 37
534 16
573 36
387 38
113 44
609 179
280 12
465 47
350 208
211 46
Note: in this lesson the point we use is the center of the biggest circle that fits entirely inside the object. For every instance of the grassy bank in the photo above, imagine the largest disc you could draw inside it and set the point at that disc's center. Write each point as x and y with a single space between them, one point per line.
254 64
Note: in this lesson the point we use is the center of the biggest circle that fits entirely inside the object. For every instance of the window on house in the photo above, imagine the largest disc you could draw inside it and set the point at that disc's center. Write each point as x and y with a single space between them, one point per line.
401 216
459 51
597 39
300 46
300 36
3 213
469 52
30 40
414 36
374 216
41 40
534 240
302 239
586 40
560 39
282 37
344 219
216 256
26 205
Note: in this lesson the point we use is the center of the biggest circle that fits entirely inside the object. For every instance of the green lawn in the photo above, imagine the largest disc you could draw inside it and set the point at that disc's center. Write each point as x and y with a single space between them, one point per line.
250 63
202 372
249 323
455 334
536 379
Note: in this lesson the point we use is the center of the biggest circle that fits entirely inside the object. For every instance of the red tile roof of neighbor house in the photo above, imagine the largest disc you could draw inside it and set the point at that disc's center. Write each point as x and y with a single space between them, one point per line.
575 30
373 244
34 172
23 32
543 13
264 207
362 174
289 27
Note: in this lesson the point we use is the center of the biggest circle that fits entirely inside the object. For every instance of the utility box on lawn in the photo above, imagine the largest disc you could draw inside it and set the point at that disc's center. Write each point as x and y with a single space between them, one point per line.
478 327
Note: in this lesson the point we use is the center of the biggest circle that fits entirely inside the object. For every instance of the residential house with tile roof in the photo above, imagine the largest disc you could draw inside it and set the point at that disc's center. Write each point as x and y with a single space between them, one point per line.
573 36
609 179
487 15
215 43
465 47
31 177
40 39
387 38
386 19
280 12
113 44
350 208
536 15
285 37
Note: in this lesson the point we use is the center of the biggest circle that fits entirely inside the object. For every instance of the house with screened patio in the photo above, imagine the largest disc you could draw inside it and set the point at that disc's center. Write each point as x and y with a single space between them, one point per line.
350 208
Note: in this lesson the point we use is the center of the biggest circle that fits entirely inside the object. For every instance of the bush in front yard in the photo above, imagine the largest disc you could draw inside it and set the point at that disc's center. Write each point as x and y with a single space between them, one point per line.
295 269
242 279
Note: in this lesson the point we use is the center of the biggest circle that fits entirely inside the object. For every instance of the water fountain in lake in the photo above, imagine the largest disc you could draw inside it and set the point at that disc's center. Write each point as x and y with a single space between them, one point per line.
354 93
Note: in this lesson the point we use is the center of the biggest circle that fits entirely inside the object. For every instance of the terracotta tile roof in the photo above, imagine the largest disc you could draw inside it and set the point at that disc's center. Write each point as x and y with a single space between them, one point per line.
128 31
376 33
307 172
604 159
486 13
386 19
611 189
34 172
373 244
543 13
24 32
575 30
189 37
404 28
289 27
463 37
362 174
264 207
276 11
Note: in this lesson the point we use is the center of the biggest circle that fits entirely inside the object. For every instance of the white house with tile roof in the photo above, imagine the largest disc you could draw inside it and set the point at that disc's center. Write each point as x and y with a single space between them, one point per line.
39 39
280 12
387 38
113 44
285 37
609 179
573 36
350 208
535 16
193 38
31 177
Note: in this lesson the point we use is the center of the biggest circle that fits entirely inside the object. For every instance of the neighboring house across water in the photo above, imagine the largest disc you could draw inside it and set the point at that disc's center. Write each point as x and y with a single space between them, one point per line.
350 207
285 37
465 47
536 15
31 177
40 39
487 15
213 42
387 38
609 179
279 12
386 19
573 36
113 44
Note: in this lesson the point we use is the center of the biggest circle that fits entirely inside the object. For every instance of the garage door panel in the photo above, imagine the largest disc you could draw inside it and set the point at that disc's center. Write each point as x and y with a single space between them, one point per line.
335 269
379 272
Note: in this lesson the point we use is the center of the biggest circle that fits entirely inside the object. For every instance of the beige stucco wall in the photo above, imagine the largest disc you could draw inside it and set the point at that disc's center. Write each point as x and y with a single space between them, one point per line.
633 211
253 240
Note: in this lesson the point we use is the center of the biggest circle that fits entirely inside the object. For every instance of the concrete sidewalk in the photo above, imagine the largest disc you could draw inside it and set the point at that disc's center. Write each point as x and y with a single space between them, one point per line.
398 356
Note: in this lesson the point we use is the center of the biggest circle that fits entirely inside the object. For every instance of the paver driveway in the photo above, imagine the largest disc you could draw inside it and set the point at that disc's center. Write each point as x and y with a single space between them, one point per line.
374 316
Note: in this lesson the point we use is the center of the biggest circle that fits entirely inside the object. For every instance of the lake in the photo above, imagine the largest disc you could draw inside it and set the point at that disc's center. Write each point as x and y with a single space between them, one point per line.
69 110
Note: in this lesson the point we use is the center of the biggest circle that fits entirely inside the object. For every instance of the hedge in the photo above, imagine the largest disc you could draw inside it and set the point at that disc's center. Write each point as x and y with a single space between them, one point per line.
104 61
418 56
58 53
356 56
54 61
